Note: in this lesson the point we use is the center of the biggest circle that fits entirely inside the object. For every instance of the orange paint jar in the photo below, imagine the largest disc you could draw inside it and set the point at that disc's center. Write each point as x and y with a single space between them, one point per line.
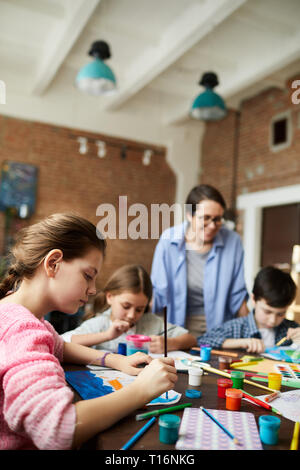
233 399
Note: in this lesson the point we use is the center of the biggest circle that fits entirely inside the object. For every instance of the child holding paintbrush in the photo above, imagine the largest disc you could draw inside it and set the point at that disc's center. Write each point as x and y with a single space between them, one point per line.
273 291
121 310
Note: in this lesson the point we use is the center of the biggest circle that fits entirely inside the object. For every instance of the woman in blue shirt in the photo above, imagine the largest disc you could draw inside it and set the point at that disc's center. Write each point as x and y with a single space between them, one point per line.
198 266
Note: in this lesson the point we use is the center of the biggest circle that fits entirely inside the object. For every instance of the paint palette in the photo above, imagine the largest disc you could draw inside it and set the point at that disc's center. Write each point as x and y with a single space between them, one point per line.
289 371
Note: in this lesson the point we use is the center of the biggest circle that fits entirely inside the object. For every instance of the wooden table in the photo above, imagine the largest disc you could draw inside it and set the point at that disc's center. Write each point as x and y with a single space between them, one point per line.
116 436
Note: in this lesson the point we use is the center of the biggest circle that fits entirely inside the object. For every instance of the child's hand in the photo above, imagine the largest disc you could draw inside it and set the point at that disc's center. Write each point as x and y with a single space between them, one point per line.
117 328
294 335
254 345
157 344
129 364
157 378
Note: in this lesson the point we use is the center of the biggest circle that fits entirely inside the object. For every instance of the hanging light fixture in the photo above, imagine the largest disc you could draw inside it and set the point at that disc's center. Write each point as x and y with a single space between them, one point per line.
96 78
208 106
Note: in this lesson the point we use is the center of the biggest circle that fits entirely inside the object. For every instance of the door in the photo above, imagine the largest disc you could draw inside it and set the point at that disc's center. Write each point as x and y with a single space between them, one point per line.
280 232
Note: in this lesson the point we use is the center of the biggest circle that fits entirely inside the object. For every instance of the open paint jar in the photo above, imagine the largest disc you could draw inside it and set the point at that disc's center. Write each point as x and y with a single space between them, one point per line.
223 384
136 343
237 378
205 350
269 429
224 362
274 381
168 428
233 399
195 376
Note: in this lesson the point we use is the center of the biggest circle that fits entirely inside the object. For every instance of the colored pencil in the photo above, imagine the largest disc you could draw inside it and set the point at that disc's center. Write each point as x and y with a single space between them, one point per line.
251 374
243 364
165 338
142 416
259 402
235 440
224 374
218 353
295 438
287 382
281 341
138 434
272 397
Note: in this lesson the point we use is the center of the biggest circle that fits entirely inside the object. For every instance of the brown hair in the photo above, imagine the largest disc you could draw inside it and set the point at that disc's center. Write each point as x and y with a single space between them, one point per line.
131 277
203 192
70 233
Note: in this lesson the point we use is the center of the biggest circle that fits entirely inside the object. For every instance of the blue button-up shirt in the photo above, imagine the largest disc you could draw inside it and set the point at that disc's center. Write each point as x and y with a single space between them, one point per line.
224 288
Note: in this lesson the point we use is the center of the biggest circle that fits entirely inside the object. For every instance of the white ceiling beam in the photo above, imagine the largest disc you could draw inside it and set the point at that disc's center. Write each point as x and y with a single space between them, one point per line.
249 74
61 42
198 21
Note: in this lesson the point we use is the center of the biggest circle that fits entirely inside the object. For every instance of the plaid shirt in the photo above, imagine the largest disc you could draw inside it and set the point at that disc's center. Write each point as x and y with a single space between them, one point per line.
242 327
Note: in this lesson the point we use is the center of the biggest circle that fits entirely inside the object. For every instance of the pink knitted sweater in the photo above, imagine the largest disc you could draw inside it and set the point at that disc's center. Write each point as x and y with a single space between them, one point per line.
36 410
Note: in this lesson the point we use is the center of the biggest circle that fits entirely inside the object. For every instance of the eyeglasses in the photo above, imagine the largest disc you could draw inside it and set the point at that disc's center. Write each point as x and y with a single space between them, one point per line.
207 219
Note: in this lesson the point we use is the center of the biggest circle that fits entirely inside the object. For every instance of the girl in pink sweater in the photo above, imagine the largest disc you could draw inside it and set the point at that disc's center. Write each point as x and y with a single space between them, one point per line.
54 267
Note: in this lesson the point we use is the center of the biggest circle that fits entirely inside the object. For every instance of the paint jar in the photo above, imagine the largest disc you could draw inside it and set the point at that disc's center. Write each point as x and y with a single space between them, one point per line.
269 429
205 350
223 384
168 428
136 343
233 399
122 349
274 381
195 376
237 378
224 362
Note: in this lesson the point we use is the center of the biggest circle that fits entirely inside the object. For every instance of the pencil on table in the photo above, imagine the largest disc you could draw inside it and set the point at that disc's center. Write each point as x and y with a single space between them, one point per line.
295 438
259 402
235 440
138 434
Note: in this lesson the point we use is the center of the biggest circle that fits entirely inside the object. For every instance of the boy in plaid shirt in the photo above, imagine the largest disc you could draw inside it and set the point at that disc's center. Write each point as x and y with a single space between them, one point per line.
273 291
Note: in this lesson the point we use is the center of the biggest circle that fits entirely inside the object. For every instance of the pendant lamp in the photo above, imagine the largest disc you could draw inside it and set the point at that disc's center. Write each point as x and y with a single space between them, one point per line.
208 106
96 78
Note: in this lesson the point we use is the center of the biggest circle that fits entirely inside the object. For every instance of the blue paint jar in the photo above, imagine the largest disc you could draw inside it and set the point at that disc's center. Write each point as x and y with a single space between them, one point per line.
269 429
168 428
136 343
122 349
205 350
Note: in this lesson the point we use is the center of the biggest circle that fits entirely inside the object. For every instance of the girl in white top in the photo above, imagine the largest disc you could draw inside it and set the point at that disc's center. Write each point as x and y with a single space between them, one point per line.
123 303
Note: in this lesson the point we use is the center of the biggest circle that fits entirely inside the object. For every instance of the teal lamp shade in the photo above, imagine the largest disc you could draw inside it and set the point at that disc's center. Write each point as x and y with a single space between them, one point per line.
97 78
208 106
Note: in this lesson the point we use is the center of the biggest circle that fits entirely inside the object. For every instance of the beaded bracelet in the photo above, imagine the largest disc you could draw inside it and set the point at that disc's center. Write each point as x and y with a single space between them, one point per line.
103 359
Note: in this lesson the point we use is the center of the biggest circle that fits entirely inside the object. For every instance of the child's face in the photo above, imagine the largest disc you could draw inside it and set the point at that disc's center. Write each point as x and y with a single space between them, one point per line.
127 306
76 281
267 316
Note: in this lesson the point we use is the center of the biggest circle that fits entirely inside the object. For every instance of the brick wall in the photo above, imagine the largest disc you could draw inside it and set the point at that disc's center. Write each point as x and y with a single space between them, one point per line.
69 181
258 168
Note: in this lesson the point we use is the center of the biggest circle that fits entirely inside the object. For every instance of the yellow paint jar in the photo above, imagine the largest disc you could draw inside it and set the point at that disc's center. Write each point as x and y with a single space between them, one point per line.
274 381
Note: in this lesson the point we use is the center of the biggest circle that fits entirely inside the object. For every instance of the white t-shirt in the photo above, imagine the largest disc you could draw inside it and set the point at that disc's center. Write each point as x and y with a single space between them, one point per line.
149 324
268 336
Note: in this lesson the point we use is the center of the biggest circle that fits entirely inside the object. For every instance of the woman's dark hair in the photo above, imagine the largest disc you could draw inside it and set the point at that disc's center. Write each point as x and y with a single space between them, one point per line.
276 287
203 192
70 233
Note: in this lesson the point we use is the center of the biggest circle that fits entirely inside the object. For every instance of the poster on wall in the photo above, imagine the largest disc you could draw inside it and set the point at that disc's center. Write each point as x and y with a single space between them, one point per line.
17 201
18 187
